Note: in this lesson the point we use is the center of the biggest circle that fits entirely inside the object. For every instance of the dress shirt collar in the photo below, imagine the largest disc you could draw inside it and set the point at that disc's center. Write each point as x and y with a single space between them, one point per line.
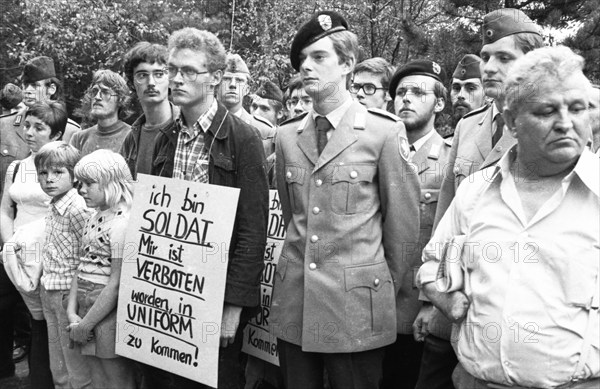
422 140
587 169
336 116
203 123
63 203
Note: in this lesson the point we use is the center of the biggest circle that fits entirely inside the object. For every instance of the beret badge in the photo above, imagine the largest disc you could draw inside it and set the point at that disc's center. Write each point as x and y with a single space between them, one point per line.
436 68
325 22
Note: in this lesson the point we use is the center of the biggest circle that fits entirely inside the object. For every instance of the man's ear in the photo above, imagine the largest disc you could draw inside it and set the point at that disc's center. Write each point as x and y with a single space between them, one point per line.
51 90
440 103
216 77
280 114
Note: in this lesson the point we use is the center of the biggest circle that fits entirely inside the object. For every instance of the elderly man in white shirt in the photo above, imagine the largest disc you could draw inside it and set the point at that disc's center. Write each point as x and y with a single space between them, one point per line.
520 275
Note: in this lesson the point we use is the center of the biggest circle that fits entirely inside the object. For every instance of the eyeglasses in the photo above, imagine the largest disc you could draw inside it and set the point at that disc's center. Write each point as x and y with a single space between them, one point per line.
417 92
144 77
187 74
368 88
304 102
105 93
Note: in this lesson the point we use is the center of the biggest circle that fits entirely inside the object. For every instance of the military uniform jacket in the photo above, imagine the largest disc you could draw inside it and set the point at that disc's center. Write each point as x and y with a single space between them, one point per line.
266 130
429 162
12 142
471 151
352 230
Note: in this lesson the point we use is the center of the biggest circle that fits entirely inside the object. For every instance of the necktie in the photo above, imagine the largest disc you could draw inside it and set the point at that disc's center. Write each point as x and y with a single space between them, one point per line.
499 129
323 126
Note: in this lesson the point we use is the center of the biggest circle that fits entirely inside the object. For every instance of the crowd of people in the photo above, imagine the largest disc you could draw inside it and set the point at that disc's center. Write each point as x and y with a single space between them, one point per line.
414 257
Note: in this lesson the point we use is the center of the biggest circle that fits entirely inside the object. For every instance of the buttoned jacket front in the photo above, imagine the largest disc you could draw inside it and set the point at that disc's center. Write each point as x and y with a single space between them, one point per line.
352 231
430 162
471 151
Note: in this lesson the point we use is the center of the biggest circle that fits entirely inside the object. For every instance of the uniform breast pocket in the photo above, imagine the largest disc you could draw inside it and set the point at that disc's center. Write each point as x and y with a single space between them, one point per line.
429 199
353 188
294 176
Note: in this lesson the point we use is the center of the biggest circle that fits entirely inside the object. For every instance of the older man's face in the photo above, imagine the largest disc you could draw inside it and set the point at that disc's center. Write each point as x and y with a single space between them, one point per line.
553 126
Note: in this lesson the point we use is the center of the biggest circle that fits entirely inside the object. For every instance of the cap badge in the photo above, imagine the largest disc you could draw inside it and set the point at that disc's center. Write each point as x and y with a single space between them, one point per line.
462 71
436 68
489 33
325 22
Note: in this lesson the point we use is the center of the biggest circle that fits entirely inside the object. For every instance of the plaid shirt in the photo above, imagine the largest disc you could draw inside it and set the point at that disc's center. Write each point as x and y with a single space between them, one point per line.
191 155
65 223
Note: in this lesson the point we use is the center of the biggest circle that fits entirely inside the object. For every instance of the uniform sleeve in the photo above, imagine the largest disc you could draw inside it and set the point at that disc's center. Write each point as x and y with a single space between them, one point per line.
282 187
399 191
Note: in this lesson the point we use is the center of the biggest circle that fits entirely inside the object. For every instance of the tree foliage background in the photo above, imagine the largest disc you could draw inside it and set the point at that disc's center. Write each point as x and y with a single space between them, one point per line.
85 35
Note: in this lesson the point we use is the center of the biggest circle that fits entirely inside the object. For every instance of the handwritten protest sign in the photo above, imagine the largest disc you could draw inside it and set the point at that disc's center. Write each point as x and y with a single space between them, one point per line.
257 339
173 276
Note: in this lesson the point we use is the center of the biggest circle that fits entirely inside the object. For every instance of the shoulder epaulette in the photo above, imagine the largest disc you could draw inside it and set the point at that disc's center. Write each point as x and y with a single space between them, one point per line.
291 120
384 113
263 121
476 111
448 140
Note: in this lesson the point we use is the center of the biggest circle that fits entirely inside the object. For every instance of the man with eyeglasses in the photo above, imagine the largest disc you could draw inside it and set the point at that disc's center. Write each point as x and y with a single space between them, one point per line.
297 100
107 101
233 88
419 94
146 72
371 81
211 145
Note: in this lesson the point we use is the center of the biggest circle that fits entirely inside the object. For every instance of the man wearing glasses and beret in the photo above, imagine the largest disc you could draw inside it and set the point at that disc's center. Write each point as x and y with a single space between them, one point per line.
211 145
371 81
146 72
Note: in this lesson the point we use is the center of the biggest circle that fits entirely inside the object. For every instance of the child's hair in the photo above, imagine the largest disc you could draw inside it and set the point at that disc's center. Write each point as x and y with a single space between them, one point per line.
112 174
57 154
53 113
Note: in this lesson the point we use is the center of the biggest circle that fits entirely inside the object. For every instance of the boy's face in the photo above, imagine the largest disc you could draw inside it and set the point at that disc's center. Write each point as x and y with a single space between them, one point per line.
55 180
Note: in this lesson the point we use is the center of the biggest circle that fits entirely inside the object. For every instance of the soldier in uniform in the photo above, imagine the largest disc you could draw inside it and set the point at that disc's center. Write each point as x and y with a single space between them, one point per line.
234 86
350 201
431 326
479 139
419 95
466 91
268 103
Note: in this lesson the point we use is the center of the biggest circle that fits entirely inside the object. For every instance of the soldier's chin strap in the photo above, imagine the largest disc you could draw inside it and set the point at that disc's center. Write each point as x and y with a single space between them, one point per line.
592 308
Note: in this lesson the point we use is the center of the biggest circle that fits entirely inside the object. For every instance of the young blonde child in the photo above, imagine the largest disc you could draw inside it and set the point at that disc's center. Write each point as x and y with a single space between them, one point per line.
105 184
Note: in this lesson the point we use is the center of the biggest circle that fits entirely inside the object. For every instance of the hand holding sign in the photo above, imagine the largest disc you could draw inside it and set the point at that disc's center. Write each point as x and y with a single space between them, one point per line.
229 324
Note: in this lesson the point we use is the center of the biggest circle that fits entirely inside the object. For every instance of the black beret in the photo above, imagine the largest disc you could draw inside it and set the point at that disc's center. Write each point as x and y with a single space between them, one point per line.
38 68
420 67
319 26
468 67
504 22
270 91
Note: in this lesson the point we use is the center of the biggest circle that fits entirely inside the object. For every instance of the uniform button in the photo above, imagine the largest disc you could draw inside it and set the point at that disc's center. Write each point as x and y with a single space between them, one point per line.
316 210
319 182
5 151
314 238
376 282
507 363
427 196
499 148
353 174
288 174
456 170
312 266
